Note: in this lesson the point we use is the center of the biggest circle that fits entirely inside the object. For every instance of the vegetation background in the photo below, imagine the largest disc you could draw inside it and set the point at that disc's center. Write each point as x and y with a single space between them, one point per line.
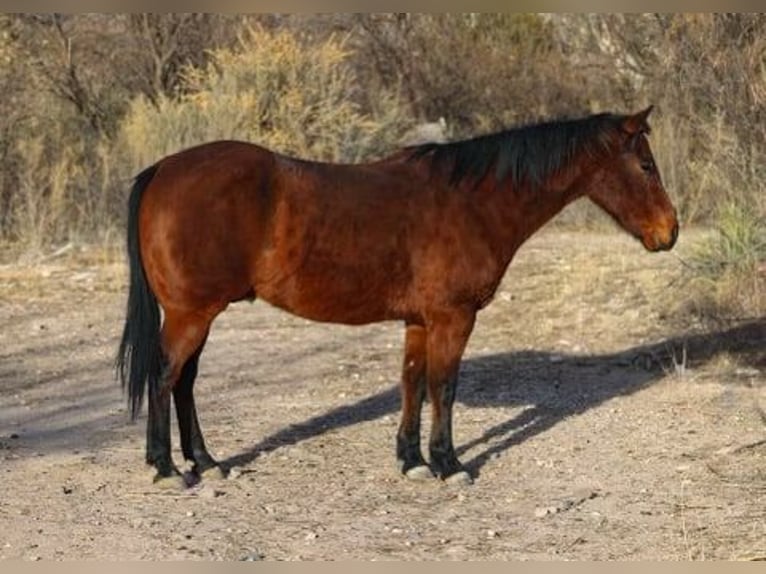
90 99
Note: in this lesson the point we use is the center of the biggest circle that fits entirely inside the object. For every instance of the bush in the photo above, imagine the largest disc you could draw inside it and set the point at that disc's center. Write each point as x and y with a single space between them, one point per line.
273 90
710 84
482 72
729 268
60 186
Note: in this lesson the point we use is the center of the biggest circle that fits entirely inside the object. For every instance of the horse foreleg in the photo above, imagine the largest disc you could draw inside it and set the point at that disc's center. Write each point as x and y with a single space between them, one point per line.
447 335
411 461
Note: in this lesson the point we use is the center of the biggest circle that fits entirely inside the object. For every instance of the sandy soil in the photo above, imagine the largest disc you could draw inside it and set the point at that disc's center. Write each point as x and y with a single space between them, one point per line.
600 421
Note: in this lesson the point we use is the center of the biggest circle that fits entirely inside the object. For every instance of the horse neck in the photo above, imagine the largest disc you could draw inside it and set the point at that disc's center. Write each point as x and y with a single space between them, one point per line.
515 212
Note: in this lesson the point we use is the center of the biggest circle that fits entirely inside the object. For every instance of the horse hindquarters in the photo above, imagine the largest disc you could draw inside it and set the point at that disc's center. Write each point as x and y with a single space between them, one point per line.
161 358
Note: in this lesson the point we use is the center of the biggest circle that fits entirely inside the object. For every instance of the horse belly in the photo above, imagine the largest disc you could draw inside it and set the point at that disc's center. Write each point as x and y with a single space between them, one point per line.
328 292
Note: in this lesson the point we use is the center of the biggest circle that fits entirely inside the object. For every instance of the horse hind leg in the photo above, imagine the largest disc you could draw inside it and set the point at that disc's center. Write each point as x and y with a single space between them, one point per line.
158 436
182 334
192 442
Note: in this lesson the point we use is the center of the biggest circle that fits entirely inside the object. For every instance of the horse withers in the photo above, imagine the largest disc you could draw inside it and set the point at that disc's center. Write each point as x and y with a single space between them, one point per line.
423 236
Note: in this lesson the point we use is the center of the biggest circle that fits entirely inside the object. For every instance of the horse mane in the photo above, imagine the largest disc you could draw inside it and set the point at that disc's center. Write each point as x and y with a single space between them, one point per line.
529 153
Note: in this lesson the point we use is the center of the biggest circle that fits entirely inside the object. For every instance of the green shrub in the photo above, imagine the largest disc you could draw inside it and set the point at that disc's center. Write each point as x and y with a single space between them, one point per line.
729 268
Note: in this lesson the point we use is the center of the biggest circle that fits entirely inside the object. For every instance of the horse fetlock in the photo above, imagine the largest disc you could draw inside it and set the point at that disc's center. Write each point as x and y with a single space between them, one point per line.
445 463
460 478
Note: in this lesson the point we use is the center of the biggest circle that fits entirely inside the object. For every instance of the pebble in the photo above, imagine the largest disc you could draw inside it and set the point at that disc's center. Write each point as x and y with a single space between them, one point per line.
543 511
209 493
252 557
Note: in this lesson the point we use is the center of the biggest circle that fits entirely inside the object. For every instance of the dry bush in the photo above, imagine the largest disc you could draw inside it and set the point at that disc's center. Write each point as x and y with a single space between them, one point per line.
272 90
710 82
61 192
482 72
67 80
160 46
50 183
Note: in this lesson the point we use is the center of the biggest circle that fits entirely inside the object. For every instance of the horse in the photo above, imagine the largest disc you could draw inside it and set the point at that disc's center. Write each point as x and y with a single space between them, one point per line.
422 236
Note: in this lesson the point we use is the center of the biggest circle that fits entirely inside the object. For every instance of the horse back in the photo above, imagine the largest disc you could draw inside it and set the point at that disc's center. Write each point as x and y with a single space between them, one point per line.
351 243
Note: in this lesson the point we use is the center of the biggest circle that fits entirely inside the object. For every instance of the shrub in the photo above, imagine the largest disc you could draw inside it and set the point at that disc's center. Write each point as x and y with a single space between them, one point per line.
482 72
273 90
729 268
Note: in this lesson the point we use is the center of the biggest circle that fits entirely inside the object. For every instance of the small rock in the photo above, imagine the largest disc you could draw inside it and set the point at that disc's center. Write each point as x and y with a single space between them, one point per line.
235 473
492 534
252 557
542 511
209 493
310 536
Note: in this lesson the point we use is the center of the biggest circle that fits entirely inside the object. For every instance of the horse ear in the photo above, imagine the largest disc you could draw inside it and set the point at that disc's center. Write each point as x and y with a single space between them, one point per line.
637 123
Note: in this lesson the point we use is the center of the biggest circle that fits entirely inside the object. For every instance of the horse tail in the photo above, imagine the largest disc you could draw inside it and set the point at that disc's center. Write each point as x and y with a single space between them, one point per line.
139 358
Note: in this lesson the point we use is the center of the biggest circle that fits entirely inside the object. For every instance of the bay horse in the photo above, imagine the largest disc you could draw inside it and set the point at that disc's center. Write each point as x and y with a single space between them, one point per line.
422 236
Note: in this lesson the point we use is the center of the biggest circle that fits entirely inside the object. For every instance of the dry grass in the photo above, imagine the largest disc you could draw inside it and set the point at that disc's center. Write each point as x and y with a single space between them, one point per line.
52 275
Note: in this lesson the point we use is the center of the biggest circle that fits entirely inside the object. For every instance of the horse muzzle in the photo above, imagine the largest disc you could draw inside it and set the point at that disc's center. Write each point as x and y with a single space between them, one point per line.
661 239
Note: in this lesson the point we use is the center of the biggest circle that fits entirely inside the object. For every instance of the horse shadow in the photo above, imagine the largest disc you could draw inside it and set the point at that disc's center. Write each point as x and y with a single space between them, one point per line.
550 386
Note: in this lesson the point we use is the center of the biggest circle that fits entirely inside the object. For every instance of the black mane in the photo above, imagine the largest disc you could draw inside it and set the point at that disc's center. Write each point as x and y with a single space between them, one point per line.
529 153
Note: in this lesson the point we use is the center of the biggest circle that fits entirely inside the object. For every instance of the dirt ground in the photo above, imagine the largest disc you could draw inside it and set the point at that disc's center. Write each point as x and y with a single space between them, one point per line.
599 420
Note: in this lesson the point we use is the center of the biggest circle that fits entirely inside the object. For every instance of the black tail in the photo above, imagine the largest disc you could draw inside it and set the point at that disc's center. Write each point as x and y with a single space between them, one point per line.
139 356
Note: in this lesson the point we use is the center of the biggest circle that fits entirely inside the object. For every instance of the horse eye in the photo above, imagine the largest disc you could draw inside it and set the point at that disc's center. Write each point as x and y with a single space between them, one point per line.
647 166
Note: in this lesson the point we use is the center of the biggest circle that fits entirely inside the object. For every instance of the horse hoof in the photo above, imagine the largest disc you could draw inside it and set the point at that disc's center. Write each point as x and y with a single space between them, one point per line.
418 473
213 473
175 482
461 478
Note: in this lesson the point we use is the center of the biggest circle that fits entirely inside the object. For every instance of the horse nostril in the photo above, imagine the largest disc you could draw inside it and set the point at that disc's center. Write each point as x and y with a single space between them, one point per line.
674 235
